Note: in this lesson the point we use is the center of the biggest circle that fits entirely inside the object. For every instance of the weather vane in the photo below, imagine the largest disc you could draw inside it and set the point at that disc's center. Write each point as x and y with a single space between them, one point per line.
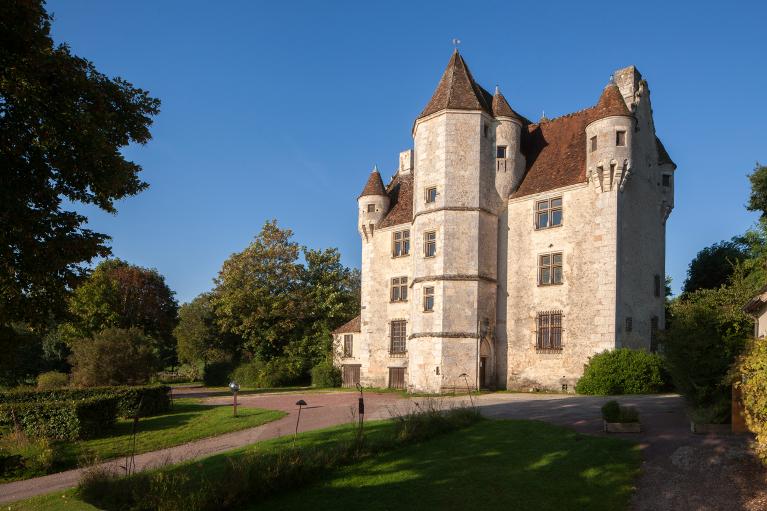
456 42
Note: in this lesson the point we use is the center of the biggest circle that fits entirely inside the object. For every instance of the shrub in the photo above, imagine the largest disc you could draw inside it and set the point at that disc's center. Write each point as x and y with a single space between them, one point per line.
61 420
752 369
22 456
115 356
52 380
217 374
613 412
325 374
278 372
154 399
623 371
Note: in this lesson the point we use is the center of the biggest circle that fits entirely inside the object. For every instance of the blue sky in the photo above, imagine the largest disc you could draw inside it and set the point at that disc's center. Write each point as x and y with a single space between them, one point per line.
280 109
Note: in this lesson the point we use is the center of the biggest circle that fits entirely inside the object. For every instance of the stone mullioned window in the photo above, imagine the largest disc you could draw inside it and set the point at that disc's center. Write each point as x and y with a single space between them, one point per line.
399 289
401 243
550 269
548 213
548 335
398 338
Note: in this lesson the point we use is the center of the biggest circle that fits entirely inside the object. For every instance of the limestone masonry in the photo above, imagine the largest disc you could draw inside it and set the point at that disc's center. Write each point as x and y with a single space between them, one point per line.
504 253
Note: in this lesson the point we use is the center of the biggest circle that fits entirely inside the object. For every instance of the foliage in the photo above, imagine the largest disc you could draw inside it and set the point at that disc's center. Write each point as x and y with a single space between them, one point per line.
22 457
278 372
623 371
21 356
614 412
757 201
708 332
122 295
752 380
153 399
217 374
62 127
250 476
63 420
114 356
326 374
52 380
198 336
713 266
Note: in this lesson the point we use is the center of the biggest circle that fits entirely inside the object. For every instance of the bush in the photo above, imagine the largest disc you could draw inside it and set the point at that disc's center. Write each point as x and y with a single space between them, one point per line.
325 374
278 372
52 380
752 369
613 412
216 374
154 399
24 457
623 371
115 356
61 420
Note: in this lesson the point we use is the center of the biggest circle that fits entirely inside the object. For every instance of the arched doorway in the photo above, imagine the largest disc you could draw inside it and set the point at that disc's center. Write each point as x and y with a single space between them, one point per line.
486 364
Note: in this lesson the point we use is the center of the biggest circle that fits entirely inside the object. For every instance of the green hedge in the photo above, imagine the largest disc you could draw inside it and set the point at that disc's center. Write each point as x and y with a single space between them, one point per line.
623 371
325 374
154 399
61 420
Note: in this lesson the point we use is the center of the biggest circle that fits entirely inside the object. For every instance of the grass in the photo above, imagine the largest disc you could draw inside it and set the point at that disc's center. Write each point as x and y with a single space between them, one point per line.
490 465
188 421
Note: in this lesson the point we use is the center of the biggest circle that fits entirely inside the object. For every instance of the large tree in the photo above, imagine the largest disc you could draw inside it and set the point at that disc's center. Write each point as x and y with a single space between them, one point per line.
757 201
713 266
199 338
123 295
62 126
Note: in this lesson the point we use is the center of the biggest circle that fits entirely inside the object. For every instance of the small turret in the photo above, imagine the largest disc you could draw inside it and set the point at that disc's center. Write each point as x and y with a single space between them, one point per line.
608 141
509 162
373 204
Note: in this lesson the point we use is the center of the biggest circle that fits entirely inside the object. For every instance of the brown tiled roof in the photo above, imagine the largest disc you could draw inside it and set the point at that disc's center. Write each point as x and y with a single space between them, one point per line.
350 327
501 107
457 90
663 157
400 193
374 185
555 150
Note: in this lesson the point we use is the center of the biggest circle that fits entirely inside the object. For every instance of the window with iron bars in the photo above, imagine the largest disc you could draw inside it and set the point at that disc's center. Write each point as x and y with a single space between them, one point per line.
397 344
549 331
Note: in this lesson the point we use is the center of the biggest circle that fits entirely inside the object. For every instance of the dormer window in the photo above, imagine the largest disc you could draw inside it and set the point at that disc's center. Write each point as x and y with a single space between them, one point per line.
500 151
431 195
593 144
371 208
620 138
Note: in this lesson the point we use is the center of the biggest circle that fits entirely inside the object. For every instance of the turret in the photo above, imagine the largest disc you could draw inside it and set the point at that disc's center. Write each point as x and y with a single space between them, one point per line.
373 204
608 141
509 162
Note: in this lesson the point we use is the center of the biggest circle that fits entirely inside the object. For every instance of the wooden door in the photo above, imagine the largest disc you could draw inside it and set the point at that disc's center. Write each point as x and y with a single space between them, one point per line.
396 377
482 372
351 375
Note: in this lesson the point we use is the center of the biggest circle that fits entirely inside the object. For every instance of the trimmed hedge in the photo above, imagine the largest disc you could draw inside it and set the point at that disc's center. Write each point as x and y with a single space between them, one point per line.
623 371
325 374
154 399
61 420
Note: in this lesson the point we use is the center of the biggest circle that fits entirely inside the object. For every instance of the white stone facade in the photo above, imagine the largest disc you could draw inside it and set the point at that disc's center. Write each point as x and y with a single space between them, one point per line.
484 273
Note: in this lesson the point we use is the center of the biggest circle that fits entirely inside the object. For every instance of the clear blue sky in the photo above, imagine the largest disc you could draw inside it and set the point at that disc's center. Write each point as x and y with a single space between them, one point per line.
280 109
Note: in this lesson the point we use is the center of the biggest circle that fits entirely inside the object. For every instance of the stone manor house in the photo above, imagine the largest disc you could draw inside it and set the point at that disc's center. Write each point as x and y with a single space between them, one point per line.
503 253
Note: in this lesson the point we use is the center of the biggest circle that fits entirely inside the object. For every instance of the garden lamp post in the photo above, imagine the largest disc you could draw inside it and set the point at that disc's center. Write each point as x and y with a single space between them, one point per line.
234 388
300 404
361 405
466 379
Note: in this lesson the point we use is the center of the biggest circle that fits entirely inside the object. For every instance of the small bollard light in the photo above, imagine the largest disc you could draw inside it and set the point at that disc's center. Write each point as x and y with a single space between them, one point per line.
361 406
234 388
300 404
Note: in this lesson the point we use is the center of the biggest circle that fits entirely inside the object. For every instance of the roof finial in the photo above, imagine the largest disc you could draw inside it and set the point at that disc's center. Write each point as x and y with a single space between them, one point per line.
375 167
497 89
456 42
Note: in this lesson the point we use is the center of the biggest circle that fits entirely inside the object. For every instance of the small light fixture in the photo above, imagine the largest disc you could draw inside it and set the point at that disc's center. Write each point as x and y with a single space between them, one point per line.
235 388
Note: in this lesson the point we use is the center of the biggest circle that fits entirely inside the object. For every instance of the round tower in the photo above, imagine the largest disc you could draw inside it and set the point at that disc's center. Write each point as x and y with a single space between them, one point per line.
509 163
608 141
373 204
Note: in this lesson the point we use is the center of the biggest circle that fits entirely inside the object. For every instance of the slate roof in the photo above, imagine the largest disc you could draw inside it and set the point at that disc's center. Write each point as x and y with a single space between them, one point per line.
501 107
375 185
663 157
400 192
457 90
351 327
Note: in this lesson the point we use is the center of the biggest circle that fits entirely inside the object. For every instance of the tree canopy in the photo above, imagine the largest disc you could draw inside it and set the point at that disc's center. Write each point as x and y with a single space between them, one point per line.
62 125
198 336
757 201
713 266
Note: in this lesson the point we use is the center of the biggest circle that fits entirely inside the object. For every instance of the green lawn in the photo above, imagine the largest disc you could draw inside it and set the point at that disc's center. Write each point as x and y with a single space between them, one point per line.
490 465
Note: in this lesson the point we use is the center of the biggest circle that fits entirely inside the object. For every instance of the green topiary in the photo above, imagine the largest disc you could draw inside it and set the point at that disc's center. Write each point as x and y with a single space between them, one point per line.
623 371
325 374
52 380
613 412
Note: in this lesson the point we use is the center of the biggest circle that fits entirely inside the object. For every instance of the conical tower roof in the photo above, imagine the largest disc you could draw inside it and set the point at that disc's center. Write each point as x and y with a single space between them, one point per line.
501 107
457 90
611 103
374 185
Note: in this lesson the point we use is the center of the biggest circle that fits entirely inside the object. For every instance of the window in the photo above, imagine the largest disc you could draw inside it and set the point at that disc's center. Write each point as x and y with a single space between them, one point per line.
348 344
550 269
399 289
620 138
398 336
428 299
485 131
431 194
629 324
401 243
500 151
430 244
656 283
654 334
549 333
666 180
371 208
548 213
593 144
